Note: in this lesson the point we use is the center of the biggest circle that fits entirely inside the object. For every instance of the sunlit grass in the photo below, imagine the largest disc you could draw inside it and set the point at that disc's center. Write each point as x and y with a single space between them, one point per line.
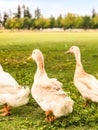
15 47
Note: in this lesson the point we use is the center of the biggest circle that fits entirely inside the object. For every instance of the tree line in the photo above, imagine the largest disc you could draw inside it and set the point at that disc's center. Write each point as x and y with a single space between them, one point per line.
25 20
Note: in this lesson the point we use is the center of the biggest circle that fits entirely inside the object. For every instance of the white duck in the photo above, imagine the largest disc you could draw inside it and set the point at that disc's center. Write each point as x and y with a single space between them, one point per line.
11 93
48 92
86 83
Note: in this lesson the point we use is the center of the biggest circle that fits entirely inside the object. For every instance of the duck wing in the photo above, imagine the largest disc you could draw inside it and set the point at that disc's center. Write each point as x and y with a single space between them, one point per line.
51 85
90 83
55 84
7 89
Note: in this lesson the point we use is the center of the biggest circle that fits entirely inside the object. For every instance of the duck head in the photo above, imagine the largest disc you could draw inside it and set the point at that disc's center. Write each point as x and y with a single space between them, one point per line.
73 49
37 55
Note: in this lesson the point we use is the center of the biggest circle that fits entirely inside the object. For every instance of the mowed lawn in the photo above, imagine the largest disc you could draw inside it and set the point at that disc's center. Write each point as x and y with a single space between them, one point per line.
16 47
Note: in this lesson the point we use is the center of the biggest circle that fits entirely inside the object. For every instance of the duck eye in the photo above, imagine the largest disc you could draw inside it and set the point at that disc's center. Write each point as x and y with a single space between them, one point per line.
34 52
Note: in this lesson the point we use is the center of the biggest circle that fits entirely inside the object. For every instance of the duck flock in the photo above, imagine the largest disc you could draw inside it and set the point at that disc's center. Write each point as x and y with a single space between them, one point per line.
47 92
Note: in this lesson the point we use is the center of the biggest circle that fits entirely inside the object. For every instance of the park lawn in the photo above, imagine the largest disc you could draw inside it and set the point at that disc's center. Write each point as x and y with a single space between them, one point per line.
15 47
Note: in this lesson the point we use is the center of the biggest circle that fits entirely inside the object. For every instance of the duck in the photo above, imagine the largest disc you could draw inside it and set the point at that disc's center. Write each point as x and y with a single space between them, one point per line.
48 92
11 93
86 83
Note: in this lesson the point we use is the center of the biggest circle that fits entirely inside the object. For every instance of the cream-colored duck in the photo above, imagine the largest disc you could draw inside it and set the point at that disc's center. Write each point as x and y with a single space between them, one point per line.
11 93
86 83
48 92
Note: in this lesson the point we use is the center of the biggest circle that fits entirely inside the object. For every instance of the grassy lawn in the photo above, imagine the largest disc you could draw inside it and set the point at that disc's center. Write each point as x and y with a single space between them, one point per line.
15 47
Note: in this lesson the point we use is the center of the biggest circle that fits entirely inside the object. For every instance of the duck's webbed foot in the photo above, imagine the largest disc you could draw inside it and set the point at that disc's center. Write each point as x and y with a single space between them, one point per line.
5 111
49 116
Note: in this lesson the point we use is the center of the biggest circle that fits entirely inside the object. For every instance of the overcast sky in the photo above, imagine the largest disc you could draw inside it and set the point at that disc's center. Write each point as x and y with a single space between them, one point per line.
52 7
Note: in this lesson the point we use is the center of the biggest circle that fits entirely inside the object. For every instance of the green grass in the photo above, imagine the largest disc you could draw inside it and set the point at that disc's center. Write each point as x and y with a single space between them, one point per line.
15 47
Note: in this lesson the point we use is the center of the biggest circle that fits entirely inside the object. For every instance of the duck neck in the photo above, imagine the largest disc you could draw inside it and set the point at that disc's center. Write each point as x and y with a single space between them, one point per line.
79 66
40 68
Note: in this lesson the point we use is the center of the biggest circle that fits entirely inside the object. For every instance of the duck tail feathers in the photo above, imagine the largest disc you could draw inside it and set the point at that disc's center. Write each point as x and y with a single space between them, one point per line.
25 91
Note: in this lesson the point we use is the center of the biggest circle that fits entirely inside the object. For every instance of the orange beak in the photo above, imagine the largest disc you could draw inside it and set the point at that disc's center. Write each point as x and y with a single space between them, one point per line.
67 52
29 58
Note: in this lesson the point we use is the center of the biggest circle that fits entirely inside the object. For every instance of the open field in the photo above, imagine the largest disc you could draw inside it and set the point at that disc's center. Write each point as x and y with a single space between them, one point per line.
15 47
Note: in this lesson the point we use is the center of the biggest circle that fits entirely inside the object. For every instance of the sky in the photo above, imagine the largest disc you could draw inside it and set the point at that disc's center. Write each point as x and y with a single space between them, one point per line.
51 7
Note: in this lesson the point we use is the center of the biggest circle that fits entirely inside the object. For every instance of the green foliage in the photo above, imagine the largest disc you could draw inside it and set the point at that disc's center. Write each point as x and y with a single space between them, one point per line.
78 22
5 18
24 20
14 23
86 22
37 13
70 21
95 21
59 21
18 14
14 51
39 22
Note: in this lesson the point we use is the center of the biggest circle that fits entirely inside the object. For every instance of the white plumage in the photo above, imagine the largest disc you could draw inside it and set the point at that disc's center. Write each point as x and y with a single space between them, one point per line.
11 93
86 83
48 92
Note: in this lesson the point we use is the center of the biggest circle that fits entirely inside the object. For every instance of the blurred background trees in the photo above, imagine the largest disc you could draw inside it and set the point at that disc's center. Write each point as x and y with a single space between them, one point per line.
24 19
